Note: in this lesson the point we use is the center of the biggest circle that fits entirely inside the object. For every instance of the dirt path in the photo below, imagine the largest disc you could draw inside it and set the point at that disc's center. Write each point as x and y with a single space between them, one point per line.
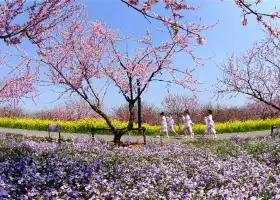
133 138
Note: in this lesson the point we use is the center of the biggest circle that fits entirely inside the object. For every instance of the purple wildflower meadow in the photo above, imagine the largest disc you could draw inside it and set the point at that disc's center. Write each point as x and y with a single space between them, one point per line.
94 169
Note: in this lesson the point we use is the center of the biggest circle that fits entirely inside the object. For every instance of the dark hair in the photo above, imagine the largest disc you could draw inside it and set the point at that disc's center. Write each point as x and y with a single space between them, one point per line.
209 111
187 111
162 113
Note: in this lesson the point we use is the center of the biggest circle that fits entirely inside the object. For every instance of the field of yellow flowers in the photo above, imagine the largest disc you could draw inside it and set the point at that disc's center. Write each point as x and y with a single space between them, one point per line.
82 126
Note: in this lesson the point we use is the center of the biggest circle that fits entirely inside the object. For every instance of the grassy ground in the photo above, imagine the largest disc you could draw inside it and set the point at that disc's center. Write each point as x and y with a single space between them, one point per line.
236 146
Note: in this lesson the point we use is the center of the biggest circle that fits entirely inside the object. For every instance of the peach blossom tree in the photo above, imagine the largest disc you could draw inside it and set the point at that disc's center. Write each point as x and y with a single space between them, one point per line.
268 20
255 74
32 20
84 55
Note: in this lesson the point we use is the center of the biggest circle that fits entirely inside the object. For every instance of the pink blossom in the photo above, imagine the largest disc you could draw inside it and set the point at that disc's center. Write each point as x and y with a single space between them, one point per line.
252 9
273 15
133 2
238 2
244 21
153 2
146 7
200 40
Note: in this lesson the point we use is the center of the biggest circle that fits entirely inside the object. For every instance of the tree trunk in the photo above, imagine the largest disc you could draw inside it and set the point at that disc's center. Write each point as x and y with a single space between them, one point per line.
117 137
119 133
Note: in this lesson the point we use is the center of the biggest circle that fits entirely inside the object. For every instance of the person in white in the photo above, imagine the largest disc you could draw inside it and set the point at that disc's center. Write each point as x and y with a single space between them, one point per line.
163 125
210 128
188 124
170 124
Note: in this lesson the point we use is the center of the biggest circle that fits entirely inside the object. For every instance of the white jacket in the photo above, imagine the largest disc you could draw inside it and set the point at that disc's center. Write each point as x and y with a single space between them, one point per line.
187 121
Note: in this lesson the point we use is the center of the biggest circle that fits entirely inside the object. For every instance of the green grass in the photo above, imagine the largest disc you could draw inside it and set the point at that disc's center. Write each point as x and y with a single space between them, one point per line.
236 147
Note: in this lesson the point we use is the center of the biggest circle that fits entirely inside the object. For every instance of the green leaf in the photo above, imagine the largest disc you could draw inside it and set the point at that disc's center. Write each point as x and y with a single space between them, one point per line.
248 5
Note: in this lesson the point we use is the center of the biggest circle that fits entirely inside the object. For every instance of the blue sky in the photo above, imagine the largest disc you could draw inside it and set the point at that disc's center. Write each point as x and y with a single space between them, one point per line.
226 37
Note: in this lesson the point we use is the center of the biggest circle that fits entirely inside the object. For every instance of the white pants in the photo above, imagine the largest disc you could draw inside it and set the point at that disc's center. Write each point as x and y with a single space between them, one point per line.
187 128
171 128
163 129
210 129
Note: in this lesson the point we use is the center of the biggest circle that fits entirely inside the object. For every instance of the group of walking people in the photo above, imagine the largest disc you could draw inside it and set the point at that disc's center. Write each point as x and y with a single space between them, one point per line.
167 124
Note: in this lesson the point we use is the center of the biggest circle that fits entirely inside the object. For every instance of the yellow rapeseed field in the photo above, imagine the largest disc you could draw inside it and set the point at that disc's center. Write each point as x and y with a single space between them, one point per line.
83 125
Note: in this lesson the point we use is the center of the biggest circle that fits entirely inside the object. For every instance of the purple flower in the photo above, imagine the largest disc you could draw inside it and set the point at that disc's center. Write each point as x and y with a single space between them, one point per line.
3 193
235 137
92 169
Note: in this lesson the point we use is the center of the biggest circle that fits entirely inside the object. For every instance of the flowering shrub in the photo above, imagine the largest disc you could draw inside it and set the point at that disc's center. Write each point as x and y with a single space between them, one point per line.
76 109
150 113
83 125
71 110
86 168
6 111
